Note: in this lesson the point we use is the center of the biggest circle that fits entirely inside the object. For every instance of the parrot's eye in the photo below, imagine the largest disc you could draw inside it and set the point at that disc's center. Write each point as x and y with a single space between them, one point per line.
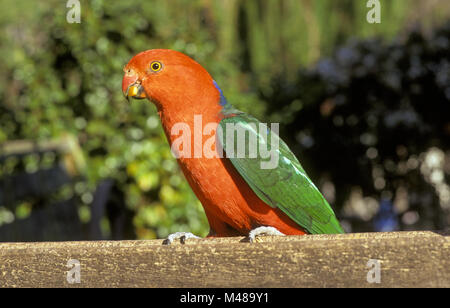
155 66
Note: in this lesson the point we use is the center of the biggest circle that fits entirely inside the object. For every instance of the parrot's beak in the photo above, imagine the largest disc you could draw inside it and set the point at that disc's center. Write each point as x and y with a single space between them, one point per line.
131 87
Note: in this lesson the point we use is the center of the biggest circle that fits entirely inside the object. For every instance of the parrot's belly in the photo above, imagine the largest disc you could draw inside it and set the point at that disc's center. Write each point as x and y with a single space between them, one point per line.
231 206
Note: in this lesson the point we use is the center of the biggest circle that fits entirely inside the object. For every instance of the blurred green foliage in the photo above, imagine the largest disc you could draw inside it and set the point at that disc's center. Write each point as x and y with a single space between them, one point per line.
60 78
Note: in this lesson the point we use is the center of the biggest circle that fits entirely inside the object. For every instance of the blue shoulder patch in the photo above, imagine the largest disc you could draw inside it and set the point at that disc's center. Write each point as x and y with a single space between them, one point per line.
223 100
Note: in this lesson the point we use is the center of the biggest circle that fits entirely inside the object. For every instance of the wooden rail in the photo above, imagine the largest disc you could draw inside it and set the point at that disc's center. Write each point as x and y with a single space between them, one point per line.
397 259
67 145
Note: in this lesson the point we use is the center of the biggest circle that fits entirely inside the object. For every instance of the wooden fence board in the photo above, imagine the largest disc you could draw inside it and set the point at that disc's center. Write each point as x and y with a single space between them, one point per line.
406 259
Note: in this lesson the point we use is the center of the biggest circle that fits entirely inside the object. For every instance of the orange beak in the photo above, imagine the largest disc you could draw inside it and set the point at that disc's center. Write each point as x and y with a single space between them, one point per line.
131 87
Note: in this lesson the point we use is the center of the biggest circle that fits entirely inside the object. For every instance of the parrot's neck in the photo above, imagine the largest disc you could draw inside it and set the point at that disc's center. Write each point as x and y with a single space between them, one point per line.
196 115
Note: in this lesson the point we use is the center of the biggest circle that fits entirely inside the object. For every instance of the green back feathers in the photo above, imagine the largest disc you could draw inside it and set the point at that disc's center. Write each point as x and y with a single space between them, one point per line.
283 184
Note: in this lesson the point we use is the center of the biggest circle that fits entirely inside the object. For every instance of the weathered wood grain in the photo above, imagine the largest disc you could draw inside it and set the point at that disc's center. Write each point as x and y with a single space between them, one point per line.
407 259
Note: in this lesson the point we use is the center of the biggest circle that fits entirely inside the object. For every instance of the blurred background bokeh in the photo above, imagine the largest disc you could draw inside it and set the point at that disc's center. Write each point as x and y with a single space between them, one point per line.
365 107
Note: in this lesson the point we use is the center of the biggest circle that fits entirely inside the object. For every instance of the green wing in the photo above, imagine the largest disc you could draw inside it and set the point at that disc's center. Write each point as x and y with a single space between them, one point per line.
284 185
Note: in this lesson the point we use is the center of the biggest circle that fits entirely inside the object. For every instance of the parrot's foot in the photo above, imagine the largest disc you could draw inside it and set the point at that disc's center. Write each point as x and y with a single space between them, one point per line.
263 231
182 236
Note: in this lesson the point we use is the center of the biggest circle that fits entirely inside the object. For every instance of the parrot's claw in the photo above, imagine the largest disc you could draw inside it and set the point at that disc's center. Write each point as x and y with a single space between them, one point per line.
182 236
263 231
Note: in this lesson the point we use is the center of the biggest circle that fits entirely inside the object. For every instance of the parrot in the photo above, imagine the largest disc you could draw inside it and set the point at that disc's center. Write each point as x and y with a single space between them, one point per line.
238 195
